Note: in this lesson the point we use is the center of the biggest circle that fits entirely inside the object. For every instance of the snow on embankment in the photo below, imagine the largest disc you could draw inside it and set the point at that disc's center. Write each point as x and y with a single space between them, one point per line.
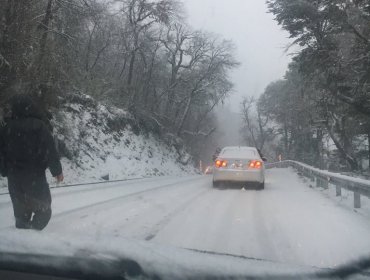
95 140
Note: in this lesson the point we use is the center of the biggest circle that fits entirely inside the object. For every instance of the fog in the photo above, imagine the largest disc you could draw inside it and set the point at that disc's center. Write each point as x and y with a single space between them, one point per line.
260 42
260 48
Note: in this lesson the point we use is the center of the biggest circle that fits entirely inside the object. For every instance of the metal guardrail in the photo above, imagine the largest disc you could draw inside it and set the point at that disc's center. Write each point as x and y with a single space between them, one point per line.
322 179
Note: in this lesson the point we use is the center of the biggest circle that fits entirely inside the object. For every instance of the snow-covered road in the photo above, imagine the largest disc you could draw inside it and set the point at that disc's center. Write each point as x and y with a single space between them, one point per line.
287 222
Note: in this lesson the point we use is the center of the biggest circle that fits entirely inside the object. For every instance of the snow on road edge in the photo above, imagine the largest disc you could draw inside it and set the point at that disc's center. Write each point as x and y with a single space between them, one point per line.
345 200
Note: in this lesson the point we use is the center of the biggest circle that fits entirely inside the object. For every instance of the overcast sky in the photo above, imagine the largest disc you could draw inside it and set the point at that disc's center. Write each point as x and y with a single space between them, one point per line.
259 40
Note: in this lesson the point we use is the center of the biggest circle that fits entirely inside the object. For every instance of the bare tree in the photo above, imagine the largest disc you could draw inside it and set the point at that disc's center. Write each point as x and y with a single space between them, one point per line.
258 129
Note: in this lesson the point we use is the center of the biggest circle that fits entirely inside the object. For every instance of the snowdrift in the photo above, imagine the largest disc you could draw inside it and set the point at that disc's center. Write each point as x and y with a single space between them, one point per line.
95 140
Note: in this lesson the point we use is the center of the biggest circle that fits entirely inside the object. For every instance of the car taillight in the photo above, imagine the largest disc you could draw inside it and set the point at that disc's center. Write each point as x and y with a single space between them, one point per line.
221 163
255 164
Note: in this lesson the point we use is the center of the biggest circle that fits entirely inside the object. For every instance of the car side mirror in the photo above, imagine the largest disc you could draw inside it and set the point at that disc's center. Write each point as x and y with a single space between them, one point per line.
264 159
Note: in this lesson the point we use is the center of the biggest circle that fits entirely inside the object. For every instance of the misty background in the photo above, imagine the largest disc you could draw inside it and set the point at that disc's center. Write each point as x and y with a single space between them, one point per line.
261 48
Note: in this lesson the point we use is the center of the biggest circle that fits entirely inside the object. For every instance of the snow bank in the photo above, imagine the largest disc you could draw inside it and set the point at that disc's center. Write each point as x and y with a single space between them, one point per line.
100 140
346 197
96 140
344 200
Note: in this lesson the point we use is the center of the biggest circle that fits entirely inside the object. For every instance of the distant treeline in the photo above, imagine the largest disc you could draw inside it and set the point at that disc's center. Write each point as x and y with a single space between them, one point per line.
325 95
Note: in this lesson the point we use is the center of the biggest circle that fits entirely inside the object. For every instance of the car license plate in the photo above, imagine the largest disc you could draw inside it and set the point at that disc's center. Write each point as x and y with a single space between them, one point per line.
238 164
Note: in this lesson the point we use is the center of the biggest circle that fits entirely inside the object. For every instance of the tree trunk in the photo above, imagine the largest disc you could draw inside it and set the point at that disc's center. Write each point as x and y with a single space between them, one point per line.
131 92
171 88
286 146
320 148
131 68
148 82
87 59
11 50
185 115
44 26
123 67
350 160
368 140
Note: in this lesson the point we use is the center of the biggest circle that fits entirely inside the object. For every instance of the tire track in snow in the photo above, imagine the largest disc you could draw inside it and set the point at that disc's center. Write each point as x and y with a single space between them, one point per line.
142 214
208 223
267 227
91 187
56 218
104 186
88 187
262 232
122 197
177 211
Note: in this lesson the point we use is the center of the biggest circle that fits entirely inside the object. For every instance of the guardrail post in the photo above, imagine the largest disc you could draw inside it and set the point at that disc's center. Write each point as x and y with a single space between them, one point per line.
312 177
318 182
338 190
325 184
307 174
357 200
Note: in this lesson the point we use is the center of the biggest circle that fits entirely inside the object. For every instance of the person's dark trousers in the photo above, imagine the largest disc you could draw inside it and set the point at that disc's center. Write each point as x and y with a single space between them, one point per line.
30 195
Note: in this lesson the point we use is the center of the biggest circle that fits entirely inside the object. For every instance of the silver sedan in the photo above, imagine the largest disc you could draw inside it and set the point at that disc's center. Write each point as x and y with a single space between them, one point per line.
239 164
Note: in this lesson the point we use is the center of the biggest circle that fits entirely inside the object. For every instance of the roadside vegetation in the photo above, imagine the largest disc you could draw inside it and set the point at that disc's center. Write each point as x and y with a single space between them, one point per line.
138 55
320 112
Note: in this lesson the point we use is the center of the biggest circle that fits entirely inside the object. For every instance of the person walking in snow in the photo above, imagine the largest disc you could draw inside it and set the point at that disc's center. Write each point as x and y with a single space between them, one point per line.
27 149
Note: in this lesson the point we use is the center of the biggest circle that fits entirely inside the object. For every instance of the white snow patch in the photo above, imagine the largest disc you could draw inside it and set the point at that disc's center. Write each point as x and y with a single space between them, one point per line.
346 198
98 149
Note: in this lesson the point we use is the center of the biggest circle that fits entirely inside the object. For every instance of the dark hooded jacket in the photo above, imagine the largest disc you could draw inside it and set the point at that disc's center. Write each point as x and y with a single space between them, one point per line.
26 142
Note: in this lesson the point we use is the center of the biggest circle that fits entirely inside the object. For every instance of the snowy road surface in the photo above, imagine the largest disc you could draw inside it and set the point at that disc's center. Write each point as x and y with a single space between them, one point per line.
287 222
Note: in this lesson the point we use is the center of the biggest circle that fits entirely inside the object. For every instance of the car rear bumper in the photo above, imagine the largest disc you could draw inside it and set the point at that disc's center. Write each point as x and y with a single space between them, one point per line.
233 175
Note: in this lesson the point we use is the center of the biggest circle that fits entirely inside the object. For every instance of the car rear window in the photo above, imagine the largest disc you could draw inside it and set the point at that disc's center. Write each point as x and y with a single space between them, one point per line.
239 153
